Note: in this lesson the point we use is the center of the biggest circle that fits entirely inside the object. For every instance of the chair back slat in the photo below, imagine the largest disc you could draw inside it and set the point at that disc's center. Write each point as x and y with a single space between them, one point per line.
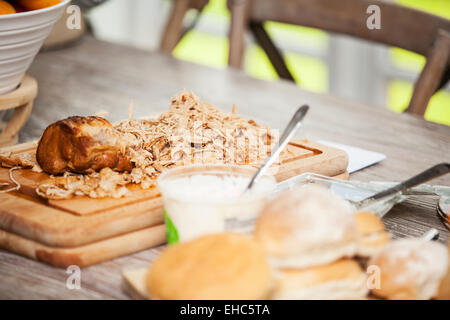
402 27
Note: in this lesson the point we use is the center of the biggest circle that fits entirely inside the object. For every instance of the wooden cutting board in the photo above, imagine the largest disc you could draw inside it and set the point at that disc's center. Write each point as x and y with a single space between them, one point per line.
84 231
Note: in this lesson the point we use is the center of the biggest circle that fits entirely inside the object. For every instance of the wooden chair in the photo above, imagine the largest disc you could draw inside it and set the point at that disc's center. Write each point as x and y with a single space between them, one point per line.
413 30
174 29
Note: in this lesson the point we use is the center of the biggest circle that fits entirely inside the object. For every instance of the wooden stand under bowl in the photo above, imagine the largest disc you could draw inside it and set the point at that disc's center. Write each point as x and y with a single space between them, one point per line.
21 100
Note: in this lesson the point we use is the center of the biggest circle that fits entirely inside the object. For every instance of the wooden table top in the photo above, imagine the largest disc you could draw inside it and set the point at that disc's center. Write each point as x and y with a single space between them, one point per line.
96 75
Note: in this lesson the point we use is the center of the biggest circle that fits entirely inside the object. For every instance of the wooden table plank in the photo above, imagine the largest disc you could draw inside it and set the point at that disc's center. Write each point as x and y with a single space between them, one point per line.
96 75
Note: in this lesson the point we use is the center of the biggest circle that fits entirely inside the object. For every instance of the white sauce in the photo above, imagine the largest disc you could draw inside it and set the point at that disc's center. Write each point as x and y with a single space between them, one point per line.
204 203
213 188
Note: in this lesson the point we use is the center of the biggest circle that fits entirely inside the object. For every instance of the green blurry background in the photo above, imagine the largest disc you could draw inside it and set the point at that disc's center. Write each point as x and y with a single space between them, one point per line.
205 48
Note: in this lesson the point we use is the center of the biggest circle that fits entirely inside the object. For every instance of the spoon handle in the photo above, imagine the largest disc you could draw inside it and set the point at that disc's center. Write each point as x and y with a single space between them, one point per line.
285 137
431 173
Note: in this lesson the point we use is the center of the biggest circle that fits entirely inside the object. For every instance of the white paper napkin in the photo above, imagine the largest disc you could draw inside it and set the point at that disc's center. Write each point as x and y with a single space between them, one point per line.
357 158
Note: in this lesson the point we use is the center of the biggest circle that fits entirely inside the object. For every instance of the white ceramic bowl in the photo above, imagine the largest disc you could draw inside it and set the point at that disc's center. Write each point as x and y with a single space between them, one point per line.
21 37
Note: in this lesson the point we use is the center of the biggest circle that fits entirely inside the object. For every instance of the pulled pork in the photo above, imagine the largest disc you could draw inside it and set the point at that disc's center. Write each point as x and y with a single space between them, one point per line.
190 132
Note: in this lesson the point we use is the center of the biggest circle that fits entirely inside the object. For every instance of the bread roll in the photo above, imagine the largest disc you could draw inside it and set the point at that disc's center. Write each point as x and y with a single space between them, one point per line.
410 269
306 227
343 279
218 266
444 288
372 235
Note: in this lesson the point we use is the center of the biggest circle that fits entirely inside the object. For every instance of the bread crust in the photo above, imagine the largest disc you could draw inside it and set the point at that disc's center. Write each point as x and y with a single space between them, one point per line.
342 279
444 288
219 266
372 234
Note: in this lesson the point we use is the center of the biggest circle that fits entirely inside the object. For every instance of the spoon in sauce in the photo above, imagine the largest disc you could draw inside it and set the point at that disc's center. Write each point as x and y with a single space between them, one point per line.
285 138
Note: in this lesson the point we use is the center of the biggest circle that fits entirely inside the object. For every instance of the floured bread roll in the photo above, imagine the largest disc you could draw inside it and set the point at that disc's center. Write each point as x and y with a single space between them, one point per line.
444 288
343 279
410 269
372 235
306 227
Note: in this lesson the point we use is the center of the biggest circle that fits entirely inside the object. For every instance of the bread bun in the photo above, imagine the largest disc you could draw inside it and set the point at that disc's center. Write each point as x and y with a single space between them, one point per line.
372 235
342 279
410 269
306 227
444 288
218 266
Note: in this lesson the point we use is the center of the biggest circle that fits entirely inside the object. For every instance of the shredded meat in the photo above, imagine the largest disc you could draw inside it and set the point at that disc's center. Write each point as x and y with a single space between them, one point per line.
24 160
189 132
106 183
